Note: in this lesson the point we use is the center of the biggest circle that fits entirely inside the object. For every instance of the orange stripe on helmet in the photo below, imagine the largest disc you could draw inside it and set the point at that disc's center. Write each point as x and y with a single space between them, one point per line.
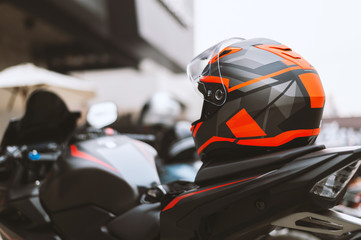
279 139
313 85
243 125
192 128
286 53
263 78
196 128
288 62
214 139
215 79
231 51
265 142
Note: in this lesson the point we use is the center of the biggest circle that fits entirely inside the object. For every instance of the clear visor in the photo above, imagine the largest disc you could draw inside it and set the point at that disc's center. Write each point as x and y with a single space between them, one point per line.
205 73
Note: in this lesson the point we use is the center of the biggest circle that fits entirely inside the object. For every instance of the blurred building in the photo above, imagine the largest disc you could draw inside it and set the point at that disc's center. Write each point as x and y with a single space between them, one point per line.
338 132
127 49
71 35
345 122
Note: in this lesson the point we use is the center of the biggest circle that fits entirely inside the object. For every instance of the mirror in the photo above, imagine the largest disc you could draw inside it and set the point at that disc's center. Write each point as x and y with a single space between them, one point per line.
102 114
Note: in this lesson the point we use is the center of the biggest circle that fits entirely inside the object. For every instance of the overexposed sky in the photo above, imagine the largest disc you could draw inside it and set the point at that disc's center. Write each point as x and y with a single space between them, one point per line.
327 33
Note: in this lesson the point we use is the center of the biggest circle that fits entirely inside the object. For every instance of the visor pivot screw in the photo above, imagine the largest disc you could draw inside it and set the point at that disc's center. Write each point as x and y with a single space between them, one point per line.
219 94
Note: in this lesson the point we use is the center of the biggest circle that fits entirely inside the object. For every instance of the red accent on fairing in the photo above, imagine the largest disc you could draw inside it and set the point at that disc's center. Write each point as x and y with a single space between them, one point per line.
177 199
140 146
214 139
196 128
109 131
280 139
76 153
243 125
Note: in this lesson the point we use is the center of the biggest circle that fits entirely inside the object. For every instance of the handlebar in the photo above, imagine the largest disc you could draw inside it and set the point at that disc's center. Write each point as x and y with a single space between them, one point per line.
34 152
36 156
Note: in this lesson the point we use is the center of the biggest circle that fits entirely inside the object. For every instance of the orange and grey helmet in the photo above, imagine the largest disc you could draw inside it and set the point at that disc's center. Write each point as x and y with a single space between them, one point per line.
259 95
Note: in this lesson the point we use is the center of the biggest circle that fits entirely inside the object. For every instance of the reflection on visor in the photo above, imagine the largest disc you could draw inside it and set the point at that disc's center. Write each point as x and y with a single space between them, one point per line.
204 71
225 52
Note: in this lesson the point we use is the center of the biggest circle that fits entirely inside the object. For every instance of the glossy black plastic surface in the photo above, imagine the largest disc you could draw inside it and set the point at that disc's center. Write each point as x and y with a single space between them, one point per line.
244 208
233 168
107 172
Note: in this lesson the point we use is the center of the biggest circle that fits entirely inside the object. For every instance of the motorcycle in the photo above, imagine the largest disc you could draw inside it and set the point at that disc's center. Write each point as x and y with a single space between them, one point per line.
33 143
108 187
159 125
30 147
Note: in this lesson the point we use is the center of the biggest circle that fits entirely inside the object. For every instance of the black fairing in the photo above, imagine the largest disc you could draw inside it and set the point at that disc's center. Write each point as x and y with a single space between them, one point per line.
105 175
216 171
141 222
244 207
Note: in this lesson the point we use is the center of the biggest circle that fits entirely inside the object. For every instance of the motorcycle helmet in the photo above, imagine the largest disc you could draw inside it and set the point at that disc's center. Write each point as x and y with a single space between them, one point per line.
160 110
259 96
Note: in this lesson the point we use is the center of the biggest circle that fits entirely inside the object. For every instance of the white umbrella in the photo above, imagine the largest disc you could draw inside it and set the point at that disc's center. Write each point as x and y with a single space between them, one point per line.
22 79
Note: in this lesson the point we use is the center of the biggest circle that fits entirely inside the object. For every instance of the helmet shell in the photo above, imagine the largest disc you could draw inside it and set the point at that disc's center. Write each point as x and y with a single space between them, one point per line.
273 99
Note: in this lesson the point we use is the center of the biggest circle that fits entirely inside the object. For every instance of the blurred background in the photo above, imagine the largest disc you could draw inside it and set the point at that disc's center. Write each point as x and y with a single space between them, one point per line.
125 51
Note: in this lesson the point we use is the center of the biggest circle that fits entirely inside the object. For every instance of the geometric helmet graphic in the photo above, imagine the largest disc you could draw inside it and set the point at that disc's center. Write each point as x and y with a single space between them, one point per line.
259 95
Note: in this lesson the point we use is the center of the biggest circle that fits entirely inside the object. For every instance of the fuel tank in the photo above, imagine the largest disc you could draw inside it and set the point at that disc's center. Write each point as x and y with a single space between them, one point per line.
107 172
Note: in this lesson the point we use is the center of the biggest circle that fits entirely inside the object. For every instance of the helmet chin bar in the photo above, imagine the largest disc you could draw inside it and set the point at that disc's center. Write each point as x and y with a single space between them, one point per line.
208 110
326 222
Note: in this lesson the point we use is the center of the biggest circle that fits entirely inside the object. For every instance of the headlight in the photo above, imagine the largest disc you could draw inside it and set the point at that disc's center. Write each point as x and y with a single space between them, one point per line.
333 184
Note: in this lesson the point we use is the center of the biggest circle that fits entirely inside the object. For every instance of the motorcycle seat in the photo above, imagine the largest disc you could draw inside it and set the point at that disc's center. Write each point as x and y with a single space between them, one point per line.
237 168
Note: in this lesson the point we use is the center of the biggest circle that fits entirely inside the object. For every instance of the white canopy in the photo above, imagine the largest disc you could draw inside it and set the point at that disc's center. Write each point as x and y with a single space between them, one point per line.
23 79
